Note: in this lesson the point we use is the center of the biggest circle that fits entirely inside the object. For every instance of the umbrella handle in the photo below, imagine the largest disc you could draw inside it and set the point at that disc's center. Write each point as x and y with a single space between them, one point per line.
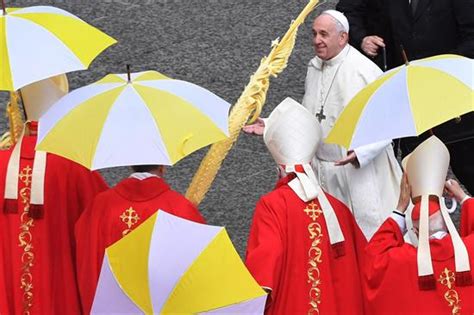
384 59
404 55
129 76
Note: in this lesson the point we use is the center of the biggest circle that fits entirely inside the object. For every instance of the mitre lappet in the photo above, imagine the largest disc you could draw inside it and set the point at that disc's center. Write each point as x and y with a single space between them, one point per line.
292 135
426 168
36 98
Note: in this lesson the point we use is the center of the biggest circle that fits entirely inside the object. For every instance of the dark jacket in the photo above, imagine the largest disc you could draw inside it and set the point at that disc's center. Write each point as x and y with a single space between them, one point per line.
436 27
365 19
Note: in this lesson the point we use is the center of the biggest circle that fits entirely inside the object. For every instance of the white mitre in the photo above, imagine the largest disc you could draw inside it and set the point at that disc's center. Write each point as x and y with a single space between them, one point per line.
37 98
292 135
427 167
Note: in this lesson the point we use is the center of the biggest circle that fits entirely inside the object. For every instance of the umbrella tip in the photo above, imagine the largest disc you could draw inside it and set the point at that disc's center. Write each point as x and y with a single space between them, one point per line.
129 76
4 8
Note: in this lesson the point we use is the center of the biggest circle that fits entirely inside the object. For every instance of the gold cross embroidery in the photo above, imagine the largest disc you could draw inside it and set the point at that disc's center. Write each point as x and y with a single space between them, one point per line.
447 278
314 257
130 218
25 175
26 242
313 211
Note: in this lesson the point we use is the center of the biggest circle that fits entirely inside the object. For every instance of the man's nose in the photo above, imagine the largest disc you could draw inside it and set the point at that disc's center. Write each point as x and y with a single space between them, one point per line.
316 39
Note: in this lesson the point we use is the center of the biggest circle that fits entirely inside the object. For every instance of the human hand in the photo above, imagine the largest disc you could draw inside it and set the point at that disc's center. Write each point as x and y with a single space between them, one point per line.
454 190
257 128
405 194
350 158
371 44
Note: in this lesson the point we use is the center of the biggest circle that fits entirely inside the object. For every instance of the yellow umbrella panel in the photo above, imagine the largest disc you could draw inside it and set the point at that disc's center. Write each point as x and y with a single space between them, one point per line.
407 101
40 42
150 120
169 265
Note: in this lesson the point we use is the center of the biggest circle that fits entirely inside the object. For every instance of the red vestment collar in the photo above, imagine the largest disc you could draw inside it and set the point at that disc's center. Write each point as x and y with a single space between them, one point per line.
141 190
28 147
285 180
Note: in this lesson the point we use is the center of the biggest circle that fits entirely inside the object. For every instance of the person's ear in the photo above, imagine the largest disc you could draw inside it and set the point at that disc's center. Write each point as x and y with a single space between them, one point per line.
161 170
343 38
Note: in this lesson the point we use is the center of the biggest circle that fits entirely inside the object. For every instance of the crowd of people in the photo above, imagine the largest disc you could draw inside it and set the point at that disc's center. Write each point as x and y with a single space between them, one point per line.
329 239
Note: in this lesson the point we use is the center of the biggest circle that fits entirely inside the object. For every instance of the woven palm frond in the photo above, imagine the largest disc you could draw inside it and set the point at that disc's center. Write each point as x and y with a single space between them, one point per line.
15 121
250 102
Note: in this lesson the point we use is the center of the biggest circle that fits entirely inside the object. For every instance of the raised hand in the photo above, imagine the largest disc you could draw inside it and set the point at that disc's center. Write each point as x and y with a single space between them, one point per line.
350 158
454 190
405 194
371 44
257 128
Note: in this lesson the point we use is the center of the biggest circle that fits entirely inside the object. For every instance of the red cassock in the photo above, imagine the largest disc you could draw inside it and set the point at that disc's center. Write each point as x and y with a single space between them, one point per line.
467 219
289 252
37 248
113 214
392 278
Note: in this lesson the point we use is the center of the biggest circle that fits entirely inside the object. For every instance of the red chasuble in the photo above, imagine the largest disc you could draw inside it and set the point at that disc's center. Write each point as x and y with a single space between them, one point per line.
37 262
289 252
392 278
467 218
113 214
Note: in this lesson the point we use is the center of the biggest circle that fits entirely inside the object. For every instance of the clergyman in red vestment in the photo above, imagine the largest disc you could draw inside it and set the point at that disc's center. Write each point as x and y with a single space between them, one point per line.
304 245
42 196
436 277
115 213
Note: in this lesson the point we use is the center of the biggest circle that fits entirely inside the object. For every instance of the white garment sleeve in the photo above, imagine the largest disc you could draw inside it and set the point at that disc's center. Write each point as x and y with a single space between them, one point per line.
366 153
400 219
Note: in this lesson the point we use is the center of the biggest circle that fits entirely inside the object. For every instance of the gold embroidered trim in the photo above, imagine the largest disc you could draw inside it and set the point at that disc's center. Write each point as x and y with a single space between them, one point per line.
25 241
448 278
130 218
315 254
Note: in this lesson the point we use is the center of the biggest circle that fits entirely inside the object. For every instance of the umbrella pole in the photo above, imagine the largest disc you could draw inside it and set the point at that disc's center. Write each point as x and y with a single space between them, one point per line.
4 8
404 55
129 77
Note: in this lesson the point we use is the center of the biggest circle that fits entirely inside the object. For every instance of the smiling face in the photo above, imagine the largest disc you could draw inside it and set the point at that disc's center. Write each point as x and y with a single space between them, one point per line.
328 38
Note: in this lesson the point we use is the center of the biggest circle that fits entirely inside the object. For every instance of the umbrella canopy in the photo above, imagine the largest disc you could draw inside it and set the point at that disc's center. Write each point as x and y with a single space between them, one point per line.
150 119
169 265
40 42
407 101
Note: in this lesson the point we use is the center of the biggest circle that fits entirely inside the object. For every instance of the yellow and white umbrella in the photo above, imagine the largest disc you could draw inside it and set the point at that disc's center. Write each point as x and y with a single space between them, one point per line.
42 41
407 101
147 118
169 265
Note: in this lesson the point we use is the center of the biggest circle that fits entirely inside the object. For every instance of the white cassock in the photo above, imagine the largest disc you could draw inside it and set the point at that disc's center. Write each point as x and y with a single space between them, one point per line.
372 190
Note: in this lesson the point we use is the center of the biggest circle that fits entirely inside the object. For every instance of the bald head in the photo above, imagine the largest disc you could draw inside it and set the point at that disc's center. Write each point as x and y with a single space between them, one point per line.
329 36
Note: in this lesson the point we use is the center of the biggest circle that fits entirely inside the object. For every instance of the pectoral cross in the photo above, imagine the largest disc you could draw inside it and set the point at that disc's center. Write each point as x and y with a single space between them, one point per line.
320 116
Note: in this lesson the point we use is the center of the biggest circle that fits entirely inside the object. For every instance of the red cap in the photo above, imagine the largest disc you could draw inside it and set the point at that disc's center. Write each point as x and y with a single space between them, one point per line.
433 207
33 126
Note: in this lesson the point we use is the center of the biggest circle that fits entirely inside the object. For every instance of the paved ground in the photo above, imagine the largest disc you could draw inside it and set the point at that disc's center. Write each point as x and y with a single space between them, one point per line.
217 44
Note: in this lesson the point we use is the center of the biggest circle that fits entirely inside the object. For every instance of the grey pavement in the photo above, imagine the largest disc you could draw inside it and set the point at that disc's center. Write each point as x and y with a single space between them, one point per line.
216 44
